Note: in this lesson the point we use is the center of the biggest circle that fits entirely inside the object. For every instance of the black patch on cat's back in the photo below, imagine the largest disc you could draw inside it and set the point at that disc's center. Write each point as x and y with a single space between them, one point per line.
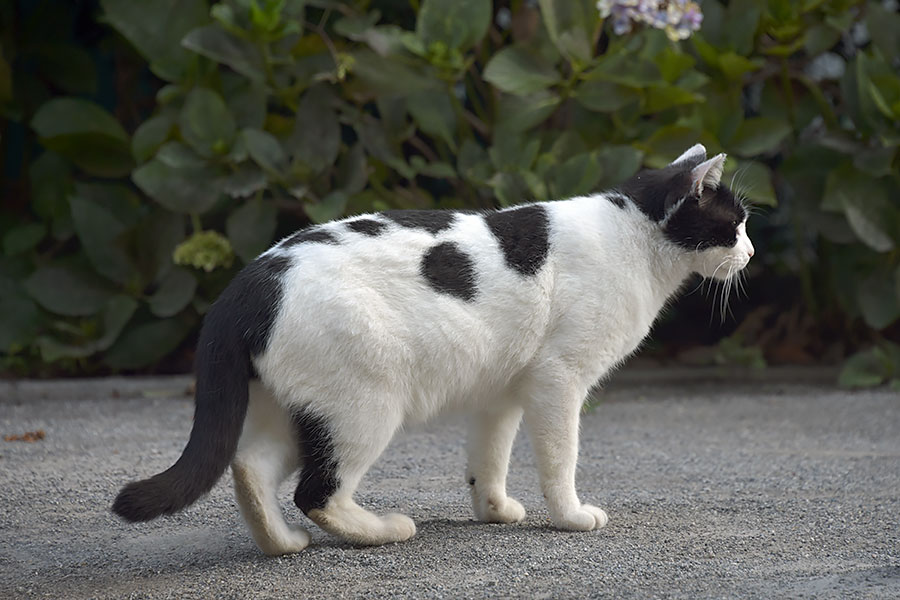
318 479
524 237
432 221
312 235
369 227
449 270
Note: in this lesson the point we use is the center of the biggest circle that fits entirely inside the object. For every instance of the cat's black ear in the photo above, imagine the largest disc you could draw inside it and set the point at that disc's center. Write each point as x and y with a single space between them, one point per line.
707 175
694 155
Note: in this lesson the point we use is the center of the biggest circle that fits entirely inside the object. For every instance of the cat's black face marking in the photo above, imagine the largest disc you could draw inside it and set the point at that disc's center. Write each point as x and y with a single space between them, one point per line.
369 227
694 223
523 234
709 222
655 191
312 235
450 271
432 221
318 480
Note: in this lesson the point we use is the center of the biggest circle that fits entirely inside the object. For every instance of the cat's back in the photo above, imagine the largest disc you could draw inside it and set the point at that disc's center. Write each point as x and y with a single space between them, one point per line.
451 299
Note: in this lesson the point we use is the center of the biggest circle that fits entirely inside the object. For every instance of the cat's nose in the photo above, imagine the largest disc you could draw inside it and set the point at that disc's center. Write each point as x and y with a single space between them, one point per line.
750 251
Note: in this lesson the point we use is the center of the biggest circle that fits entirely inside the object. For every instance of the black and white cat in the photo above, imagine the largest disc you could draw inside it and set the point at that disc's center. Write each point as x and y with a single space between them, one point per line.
361 326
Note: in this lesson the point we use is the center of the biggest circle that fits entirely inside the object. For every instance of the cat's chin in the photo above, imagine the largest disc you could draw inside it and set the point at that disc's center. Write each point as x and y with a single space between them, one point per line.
721 267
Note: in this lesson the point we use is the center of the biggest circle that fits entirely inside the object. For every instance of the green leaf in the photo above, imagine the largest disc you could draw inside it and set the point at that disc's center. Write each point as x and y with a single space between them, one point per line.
758 135
155 28
100 232
434 114
157 235
821 37
473 162
617 164
668 143
884 27
672 63
571 24
353 172
661 97
115 316
868 368
865 203
516 70
192 190
246 101
459 24
751 180
175 291
878 300
329 208
576 177
510 188
70 68
251 228
388 75
739 28
145 344
221 46
519 113
605 96
177 155
735 66
149 136
84 133
316 136
67 290
19 315
206 123
514 152
22 238
264 149
246 181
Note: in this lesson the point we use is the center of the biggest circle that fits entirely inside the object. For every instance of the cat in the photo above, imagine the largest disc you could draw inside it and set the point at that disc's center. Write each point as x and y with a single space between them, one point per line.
335 338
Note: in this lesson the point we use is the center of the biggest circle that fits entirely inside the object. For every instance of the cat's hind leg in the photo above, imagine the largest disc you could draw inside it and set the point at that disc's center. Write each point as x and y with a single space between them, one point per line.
491 436
336 453
266 456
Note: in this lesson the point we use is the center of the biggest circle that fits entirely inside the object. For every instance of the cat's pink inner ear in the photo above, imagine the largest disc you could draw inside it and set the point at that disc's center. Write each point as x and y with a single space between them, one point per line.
707 174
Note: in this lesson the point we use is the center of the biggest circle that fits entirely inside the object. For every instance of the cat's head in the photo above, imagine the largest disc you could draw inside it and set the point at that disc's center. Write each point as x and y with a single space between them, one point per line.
696 211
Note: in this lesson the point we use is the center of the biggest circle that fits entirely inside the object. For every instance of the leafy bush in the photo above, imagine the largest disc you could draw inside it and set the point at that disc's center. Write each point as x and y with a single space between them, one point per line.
273 113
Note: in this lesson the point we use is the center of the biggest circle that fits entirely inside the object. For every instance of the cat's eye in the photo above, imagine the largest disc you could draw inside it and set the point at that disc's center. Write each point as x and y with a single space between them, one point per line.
734 223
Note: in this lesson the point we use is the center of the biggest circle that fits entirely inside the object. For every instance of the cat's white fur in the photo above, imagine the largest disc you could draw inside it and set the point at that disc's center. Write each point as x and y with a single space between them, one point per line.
360 341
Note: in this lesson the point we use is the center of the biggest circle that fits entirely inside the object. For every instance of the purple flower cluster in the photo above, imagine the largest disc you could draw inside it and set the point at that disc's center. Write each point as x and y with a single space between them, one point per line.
678 18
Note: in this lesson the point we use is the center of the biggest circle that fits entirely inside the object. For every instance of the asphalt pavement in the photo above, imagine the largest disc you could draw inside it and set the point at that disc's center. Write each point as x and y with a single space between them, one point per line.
773 486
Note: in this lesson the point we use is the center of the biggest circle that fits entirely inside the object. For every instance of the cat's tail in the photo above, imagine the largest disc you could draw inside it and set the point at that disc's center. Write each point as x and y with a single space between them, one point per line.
236 327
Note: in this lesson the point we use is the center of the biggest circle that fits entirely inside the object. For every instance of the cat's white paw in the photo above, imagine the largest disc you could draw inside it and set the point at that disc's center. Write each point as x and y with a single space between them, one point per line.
499 510
296 540
586 518
398 528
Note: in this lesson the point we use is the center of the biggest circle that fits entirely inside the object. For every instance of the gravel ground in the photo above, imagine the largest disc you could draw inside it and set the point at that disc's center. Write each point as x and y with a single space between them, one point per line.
759 489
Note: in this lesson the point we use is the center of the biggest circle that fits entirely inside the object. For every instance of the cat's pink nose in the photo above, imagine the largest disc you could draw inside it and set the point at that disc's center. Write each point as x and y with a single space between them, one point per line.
750 251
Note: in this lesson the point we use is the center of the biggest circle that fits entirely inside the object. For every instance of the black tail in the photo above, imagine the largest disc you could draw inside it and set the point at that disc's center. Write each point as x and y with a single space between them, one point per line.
236 328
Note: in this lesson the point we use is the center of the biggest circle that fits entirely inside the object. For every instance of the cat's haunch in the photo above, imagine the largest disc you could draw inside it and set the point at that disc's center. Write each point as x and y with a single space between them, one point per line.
358 327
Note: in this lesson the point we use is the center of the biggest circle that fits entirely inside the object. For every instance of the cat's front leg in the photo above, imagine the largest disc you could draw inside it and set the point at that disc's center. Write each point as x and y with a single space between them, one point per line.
491 436
552 416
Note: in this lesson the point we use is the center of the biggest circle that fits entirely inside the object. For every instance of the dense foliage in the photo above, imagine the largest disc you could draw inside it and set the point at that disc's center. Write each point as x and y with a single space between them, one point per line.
126 213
